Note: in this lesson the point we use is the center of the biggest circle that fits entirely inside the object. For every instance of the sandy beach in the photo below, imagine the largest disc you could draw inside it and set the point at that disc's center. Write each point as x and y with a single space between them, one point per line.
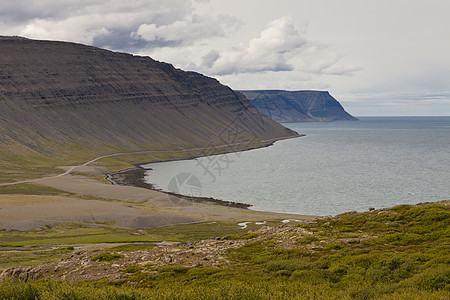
94 203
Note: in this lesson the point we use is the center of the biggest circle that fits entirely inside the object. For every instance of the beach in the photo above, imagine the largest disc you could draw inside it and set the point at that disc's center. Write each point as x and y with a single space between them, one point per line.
91 202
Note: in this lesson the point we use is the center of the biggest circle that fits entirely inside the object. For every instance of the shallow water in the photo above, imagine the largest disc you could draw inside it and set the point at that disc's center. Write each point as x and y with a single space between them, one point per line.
338 167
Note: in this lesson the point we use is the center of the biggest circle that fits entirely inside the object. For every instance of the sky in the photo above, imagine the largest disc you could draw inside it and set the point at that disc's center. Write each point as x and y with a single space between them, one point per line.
378 58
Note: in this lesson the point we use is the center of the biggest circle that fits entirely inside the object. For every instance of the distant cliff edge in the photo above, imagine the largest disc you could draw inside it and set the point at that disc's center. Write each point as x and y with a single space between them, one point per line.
298 106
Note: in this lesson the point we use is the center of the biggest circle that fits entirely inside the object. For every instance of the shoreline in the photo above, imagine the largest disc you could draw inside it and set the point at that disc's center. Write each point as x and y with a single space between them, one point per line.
268 142
135 177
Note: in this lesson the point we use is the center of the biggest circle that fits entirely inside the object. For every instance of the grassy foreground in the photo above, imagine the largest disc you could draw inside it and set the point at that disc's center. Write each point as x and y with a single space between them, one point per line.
397 253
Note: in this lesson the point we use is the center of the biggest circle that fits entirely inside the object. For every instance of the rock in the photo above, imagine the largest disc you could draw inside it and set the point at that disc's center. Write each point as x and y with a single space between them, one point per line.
298 106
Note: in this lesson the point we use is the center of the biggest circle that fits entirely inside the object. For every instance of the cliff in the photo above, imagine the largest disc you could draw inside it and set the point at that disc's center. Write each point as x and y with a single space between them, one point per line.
58 96
298 106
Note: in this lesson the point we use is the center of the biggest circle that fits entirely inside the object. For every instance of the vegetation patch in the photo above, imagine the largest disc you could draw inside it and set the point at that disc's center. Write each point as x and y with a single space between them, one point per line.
353 256
241 236
106 257
133 247
131 269
308 240
31 189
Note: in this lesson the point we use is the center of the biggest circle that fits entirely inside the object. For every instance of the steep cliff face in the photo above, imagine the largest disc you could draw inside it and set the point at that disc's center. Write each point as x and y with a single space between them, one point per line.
54 94
298 106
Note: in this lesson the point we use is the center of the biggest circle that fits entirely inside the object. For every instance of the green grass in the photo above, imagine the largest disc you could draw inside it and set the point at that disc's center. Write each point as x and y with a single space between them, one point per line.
133 247
352 259
32 247
29 256
106 257
220 287
131 269
29 245
18 163
200 231
73 234
31 189
241 236
308 239
375 255
394 258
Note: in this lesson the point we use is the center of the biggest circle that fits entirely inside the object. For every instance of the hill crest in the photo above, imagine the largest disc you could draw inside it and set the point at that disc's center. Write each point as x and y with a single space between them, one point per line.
58 94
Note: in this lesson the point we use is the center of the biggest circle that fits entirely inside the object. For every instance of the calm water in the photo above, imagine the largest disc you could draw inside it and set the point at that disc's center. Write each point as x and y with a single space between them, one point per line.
338 167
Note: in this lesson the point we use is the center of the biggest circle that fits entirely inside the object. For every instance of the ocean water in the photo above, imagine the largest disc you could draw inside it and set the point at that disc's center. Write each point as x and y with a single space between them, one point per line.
338 167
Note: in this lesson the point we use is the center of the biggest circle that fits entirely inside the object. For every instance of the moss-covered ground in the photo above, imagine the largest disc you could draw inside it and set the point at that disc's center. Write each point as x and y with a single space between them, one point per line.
397 253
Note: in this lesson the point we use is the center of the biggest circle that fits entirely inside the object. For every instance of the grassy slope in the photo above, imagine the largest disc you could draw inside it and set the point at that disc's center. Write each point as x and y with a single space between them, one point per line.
18 164
397 253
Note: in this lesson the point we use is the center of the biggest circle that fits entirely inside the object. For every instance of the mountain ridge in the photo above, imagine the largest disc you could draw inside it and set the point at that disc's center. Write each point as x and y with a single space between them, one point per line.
298 106
68 93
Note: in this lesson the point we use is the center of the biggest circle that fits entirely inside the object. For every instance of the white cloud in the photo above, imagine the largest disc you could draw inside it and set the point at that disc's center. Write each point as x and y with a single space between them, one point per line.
268 52
281 47
57 30
187 31
322 59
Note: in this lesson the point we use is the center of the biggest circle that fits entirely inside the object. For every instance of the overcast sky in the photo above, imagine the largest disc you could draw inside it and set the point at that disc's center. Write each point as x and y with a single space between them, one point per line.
383 57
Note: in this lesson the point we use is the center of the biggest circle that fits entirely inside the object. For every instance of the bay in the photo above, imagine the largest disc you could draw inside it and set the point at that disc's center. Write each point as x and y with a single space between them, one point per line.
337 167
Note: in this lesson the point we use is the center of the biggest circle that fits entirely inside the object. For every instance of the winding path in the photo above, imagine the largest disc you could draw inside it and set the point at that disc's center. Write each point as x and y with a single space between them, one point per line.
139 152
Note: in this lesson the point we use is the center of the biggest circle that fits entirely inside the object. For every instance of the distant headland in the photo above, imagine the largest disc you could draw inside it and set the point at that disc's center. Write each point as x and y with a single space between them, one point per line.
298 106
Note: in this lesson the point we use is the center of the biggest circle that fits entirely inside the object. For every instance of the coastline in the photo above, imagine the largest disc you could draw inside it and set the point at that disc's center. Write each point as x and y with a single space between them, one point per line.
129 203
136 177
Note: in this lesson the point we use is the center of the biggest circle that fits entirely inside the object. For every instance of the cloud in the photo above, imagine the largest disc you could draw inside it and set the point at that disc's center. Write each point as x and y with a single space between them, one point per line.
268 52
176 31
280 47
322 59
187 31
210 58
103 23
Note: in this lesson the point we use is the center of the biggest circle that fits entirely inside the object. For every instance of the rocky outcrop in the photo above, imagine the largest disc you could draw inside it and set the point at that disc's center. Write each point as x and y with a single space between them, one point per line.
82 265
58 96
298 106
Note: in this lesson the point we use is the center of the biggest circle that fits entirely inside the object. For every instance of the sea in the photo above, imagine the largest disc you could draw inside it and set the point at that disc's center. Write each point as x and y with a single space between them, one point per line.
337 167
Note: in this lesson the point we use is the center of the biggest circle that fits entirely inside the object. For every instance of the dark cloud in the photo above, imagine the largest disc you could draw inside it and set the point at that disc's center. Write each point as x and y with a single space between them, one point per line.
22 11
210 58
120 40
101 23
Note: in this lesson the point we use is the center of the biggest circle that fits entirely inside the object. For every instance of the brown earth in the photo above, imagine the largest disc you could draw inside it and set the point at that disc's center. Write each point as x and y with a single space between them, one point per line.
123 206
